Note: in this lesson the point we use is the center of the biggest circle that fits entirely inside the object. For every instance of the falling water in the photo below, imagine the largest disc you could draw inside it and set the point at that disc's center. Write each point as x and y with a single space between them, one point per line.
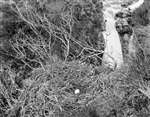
113 56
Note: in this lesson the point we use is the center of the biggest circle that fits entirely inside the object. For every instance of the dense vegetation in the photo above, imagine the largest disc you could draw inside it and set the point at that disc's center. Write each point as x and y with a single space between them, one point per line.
48 52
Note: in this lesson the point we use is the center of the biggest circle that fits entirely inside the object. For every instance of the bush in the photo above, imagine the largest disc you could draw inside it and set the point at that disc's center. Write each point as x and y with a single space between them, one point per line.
35 31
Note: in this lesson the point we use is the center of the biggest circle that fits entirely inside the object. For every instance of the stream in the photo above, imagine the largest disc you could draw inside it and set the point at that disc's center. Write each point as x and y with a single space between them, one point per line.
113 56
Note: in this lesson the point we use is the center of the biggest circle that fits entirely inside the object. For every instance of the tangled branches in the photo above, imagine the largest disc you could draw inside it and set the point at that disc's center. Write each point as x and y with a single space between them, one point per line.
45 31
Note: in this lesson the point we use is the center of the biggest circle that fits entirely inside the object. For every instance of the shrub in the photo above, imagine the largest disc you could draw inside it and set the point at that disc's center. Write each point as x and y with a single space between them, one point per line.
36 31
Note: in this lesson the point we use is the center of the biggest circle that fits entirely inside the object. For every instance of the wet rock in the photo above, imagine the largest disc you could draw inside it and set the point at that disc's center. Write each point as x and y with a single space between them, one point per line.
130 22
123 14
123 27
119 15
125 5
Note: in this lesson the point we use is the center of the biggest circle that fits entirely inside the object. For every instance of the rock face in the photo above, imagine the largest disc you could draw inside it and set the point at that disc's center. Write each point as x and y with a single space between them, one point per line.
128 46
123 14
124 28
124 22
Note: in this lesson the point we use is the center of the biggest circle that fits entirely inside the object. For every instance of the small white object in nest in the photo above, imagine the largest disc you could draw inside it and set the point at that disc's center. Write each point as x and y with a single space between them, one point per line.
77 91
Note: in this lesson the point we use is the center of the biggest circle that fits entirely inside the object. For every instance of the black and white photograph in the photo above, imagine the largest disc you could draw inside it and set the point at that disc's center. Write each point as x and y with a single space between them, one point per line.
74 58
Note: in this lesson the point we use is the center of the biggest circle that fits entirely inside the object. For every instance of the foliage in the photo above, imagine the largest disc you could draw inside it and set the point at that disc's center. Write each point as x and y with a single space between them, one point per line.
35 31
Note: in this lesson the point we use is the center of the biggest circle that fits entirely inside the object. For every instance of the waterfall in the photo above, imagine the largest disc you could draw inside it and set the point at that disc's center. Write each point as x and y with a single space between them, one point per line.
113 51
113 56
136 5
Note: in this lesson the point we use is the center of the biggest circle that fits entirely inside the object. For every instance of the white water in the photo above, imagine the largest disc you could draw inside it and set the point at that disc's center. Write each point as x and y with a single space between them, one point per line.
136 5
113 52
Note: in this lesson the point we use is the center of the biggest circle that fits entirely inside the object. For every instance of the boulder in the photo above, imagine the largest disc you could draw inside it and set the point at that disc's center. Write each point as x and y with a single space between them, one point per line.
121 22
123 14
123 27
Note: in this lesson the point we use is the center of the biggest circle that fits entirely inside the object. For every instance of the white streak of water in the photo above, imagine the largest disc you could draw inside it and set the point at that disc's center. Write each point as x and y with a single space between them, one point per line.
113 50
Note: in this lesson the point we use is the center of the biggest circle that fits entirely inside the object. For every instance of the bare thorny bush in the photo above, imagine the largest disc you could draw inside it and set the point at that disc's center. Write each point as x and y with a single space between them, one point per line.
48 32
